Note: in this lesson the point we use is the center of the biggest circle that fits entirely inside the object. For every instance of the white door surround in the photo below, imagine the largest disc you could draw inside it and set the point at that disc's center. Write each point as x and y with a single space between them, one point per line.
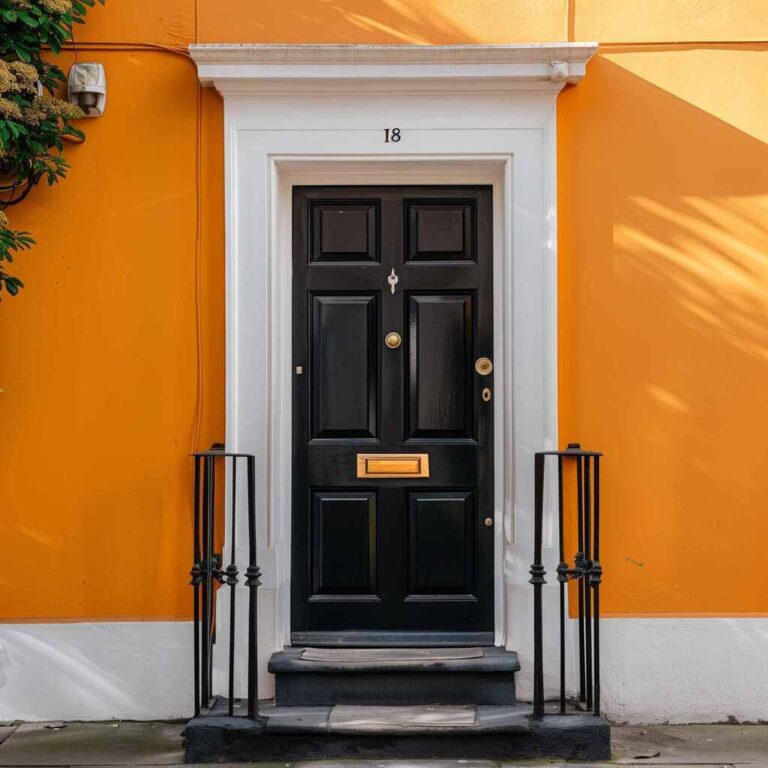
316 114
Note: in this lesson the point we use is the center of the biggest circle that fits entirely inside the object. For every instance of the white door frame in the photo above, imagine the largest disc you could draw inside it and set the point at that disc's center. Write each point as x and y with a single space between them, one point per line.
292 171
317 115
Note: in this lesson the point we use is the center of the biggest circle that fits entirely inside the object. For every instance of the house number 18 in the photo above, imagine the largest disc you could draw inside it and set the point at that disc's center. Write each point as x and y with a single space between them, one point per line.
391 134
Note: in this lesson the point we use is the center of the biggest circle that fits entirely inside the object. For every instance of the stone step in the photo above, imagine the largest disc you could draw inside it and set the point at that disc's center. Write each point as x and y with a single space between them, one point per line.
397 676
394 732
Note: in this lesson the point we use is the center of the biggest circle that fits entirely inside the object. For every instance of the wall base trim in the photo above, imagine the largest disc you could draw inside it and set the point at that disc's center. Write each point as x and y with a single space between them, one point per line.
678 670
124 670
671 670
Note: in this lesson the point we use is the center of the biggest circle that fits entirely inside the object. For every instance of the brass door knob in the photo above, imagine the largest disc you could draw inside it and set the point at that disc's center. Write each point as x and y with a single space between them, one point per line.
488 522
483 365
393 340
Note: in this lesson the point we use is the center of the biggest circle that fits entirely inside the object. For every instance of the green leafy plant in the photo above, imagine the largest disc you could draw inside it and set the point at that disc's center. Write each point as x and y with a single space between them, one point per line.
34 123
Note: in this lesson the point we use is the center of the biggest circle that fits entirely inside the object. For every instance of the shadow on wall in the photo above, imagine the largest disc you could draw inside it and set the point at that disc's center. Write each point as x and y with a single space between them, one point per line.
663 340
330 21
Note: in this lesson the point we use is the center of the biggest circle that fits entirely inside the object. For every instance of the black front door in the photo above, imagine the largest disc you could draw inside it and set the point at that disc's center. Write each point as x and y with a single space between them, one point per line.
393 415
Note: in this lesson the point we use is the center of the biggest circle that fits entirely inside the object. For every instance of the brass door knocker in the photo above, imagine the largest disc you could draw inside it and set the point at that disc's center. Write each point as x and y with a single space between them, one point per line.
393 280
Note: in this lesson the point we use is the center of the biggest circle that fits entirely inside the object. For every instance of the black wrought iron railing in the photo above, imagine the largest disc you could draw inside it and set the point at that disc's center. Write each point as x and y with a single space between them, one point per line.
211 505
585 571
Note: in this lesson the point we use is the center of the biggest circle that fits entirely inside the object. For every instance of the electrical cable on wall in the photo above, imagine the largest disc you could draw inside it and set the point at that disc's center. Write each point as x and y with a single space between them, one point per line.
125 46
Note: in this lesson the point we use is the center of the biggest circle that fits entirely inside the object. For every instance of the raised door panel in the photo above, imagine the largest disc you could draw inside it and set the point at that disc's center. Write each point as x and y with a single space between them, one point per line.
440 230
343 536
441 544
439 366
343 366
344 232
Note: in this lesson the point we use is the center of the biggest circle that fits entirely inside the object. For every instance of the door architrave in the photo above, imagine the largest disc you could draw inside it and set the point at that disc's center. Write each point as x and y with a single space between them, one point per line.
317 115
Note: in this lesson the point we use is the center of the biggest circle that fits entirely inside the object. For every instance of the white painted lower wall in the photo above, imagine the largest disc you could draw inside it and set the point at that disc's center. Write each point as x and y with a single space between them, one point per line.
675 670
130 670
654 670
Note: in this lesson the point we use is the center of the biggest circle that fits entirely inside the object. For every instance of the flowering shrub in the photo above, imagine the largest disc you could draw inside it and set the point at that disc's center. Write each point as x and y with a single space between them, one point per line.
33 122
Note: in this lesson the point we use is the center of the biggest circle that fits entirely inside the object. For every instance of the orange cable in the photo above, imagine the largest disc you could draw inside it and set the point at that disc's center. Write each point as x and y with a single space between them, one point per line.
607 44
198 259
124 46
128 46
183 52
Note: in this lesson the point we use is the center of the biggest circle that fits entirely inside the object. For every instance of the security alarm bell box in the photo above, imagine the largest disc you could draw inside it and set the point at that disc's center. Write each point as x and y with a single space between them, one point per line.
87 87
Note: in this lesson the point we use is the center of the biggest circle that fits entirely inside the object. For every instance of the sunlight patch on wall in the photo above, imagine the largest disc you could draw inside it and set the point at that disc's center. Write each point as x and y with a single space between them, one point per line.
369 24
666 398
728 84
709 252
664 20
436 22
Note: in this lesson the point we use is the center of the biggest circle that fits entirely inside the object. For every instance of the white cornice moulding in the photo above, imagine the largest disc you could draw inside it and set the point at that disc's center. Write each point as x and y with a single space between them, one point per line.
242 68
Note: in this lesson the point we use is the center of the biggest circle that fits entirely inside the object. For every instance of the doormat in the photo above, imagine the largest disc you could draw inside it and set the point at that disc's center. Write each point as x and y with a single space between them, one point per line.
361 655
347 717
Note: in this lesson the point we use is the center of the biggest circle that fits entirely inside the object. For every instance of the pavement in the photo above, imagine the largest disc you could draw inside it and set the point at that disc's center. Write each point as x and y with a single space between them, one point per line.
139 744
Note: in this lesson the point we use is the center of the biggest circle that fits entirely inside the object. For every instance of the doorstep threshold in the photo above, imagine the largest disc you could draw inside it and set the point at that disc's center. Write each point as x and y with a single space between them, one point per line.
385 719
349 660
291 733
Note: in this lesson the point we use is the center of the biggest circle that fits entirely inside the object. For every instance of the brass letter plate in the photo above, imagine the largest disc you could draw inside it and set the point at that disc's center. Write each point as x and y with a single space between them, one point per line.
375 465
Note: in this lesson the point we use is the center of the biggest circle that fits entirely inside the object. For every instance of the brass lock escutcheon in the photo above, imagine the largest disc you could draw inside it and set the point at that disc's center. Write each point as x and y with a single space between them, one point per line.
483 365
393 340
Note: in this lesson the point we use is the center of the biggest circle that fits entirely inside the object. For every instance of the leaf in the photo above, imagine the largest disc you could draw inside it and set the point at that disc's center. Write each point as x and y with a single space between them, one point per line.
28 20
72 131
32 152
23 54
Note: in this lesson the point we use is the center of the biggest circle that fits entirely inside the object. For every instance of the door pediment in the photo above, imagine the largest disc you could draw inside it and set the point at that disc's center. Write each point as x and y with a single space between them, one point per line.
241 68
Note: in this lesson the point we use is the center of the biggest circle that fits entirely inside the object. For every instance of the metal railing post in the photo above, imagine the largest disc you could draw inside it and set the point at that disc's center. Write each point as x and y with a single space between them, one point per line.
595 578
197 576
207 569
537 579
586 571
253 582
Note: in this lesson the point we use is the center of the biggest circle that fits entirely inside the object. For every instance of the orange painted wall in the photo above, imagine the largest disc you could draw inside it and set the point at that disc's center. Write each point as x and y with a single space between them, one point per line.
99 354
112 358
663 185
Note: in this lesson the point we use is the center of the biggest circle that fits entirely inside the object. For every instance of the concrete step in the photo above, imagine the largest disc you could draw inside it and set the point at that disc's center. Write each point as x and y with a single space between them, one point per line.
395 732
399 676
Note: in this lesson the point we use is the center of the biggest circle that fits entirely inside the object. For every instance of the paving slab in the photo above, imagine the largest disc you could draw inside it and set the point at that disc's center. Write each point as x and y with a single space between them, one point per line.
6 731
398 764
442 764
94 744
390 719
690 744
